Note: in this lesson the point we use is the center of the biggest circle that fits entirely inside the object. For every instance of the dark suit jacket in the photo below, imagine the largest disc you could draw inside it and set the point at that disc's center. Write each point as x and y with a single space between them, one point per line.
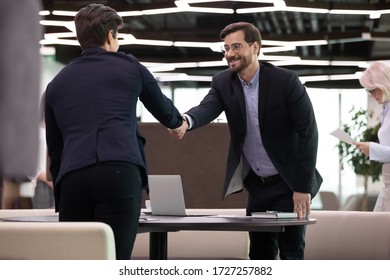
287 124
90 111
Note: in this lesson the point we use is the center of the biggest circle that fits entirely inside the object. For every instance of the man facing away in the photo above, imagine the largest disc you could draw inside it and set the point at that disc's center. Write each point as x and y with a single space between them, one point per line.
96 151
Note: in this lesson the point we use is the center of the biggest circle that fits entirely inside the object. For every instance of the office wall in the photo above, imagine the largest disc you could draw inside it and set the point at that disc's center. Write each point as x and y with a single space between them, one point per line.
200 159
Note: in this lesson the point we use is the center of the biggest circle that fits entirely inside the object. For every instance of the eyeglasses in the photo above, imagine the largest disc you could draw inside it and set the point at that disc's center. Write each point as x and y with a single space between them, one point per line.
236 47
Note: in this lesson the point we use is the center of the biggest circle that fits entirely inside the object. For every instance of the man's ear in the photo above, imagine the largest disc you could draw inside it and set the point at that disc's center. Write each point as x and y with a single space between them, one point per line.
257 45
109 37
114 34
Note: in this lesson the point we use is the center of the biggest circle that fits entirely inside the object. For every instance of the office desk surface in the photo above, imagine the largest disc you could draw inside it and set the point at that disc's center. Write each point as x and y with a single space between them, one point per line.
217 223
169 223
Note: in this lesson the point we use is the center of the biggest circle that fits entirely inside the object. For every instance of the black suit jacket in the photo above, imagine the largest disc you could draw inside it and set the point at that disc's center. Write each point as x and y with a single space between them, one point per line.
90 111
287 124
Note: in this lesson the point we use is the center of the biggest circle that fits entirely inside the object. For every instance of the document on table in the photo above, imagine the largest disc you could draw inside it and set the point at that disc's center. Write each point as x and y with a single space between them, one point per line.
342 136
230 217
274 215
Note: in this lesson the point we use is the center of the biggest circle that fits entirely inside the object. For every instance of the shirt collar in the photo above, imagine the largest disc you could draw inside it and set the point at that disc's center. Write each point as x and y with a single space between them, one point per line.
254 80
93 50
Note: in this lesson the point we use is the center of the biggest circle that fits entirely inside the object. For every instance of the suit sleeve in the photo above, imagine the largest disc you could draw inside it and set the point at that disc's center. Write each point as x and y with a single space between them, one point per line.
156 102
209 108
302 113
53 139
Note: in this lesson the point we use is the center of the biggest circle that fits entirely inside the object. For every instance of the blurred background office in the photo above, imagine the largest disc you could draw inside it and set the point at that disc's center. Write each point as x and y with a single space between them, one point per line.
327 42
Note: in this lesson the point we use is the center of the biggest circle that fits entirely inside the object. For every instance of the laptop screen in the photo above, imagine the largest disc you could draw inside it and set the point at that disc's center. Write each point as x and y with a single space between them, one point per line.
166 195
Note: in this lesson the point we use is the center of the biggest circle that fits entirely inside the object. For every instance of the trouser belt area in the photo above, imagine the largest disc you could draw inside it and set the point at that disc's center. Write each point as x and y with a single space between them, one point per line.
268 180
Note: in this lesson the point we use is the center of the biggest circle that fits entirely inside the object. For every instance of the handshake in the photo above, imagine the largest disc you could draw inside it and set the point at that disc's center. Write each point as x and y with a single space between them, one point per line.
178 133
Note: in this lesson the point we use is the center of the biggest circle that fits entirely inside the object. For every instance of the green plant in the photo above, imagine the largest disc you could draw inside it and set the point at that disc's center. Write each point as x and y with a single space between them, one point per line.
349 154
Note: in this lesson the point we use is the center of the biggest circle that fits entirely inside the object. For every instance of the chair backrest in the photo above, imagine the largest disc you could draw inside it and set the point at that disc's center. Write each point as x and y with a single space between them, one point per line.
56 241
348 235
329 200
355 202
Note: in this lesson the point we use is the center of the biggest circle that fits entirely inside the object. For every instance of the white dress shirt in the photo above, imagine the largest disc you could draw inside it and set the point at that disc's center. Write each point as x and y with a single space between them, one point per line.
381 152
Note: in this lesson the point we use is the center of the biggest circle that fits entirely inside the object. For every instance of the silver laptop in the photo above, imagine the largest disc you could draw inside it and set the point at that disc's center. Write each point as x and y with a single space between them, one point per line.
166 195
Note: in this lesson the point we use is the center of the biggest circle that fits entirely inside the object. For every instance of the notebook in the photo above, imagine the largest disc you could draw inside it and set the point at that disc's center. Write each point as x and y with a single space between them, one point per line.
274 215
166 195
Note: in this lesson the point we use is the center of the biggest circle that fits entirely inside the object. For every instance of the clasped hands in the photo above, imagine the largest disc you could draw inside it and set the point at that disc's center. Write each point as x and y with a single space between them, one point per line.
178 133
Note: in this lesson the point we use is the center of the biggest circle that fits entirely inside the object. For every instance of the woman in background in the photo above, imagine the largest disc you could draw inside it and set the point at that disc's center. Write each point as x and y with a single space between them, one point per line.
376 80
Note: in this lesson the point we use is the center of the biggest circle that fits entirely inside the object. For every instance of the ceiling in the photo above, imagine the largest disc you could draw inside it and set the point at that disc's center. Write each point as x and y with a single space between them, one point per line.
345 40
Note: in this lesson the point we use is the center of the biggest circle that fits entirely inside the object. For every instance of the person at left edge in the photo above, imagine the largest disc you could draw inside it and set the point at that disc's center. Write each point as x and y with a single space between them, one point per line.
96 151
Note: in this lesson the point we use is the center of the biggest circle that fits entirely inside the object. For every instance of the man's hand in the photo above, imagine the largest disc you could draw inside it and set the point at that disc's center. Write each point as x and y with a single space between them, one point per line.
179 132
302 204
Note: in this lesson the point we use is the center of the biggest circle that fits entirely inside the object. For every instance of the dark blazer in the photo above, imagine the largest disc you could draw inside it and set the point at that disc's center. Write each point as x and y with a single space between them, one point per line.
90 111
287 124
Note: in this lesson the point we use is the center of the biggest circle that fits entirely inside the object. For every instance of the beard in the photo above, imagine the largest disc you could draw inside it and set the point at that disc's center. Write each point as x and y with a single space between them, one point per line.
239 63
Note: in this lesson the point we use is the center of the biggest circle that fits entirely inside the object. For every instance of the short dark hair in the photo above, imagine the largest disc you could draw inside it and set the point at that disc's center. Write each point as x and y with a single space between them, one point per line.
252 33
93 23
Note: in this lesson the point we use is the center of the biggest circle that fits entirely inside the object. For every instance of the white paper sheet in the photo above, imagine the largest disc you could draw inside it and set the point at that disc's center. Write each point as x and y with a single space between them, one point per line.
342 136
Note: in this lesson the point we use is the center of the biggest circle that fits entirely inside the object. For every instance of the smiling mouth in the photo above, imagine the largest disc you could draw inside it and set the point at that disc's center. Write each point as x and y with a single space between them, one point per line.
233 60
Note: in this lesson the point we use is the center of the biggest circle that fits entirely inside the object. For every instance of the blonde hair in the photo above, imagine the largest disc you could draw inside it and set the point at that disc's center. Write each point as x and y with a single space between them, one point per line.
377 76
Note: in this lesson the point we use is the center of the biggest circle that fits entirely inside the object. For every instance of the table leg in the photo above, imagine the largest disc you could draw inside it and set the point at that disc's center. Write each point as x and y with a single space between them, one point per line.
158 245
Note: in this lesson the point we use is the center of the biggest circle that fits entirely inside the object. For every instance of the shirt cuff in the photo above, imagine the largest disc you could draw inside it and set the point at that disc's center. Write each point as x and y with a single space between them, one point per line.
190 121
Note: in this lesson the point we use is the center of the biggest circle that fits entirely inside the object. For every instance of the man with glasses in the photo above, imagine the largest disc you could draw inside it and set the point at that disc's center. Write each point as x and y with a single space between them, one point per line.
274 138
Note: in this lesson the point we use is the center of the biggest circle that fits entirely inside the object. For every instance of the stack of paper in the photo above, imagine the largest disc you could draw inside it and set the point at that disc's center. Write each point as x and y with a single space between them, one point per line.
342 136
